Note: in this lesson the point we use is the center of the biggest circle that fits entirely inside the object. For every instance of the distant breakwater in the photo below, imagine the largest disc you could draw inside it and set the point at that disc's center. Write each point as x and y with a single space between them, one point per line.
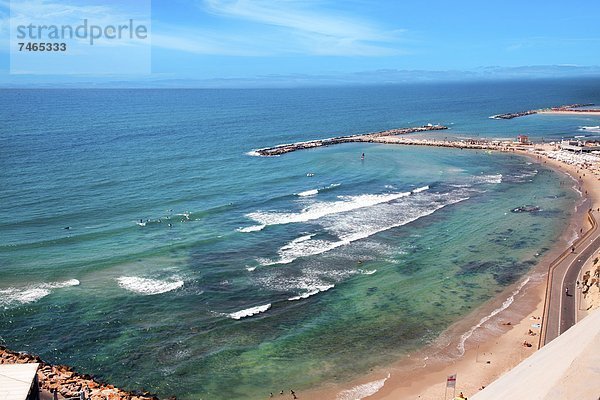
367 137
569 107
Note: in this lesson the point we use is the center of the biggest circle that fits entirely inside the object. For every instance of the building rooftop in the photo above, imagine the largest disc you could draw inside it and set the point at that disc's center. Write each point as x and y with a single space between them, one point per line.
16 380
566 368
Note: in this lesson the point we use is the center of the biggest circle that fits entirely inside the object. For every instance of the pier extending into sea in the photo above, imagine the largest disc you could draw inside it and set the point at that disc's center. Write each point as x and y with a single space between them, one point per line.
570 108
390 137
367 137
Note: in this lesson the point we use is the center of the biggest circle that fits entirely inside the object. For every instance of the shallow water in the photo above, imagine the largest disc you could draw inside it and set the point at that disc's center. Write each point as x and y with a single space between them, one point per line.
245 275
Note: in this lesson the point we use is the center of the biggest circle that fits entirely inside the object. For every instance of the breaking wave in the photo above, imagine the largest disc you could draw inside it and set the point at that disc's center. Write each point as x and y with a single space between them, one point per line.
312 292
361 224
321 209
492 179
253 228
147 286
421 189
308 193
248 312
361 391
594 129
504 306
12 297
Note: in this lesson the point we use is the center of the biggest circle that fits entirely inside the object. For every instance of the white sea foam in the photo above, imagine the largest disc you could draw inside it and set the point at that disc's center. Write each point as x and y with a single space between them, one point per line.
366 271
361 391
312 292
248 312
12 296
504 306
496 179
360 224
253 153
147 286
421 189
253 228
524 176
308 193
250 269
319 210
594 129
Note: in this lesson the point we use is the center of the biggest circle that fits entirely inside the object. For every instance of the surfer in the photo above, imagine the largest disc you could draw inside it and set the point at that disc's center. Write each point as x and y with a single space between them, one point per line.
363 156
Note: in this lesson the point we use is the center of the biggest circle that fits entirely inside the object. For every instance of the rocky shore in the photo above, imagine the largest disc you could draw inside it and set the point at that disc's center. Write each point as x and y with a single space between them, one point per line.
287 148
69 383
590 285
569 108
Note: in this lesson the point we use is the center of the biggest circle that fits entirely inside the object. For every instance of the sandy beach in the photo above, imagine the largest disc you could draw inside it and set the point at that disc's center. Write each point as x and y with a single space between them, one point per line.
490 341
569 112
495 337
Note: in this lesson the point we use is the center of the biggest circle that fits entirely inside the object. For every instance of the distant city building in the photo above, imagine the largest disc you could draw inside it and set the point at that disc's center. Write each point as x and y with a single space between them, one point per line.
19 382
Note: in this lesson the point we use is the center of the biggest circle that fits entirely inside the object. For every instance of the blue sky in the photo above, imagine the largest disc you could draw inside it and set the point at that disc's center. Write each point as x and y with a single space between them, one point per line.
258 39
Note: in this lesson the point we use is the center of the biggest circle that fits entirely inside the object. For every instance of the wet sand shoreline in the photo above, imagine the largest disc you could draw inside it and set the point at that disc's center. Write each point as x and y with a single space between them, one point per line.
497 345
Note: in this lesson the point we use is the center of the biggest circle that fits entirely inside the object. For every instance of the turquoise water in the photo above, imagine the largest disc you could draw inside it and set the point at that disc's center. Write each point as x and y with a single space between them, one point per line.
246 276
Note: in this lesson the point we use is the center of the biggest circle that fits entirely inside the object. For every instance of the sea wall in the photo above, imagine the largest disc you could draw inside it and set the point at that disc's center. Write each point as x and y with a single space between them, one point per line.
69 383
568 107
287 148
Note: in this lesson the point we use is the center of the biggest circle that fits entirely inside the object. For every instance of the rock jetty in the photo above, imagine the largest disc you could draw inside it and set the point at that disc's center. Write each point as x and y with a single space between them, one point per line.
368 137
69 383
568 107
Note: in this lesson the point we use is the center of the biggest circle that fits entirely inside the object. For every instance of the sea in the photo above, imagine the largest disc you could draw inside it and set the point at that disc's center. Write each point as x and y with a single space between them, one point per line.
141 240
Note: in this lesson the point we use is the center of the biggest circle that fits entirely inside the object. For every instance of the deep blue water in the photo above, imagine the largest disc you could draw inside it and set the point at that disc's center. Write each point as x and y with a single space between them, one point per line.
342 270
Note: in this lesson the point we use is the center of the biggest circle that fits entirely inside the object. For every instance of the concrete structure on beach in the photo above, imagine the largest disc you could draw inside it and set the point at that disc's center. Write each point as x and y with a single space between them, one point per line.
19 382
580 146
567 368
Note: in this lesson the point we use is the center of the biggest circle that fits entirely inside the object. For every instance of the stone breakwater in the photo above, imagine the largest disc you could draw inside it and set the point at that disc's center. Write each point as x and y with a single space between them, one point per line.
386 138
368 137
568 107
69 383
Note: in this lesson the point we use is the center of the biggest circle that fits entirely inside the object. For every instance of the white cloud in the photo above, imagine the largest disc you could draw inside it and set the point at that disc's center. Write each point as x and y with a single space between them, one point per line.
304 27
202 42
297 16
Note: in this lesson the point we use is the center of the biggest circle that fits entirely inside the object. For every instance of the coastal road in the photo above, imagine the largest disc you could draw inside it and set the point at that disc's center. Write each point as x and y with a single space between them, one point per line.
562 308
